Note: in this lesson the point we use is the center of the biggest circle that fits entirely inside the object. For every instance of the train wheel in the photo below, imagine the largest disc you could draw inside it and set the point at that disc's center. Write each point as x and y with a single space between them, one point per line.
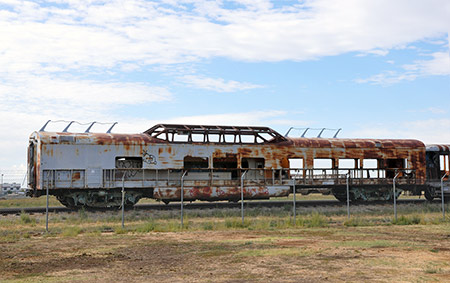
342 196
67 202
429 194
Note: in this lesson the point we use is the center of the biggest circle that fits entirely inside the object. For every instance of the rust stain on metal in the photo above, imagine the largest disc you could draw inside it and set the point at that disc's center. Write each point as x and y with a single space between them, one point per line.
245 151
76 176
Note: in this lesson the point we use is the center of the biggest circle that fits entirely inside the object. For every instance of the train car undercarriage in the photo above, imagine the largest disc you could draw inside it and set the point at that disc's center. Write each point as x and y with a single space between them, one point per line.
140 184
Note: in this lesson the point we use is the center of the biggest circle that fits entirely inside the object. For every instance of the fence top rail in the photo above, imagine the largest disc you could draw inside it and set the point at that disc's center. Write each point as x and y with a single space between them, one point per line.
258 169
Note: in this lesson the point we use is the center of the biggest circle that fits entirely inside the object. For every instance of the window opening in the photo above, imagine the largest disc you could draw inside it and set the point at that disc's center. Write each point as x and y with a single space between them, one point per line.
128 162
221 134
227 164
296 163
443 161
346 165
392 166
193 162
254 163
372 165
322 167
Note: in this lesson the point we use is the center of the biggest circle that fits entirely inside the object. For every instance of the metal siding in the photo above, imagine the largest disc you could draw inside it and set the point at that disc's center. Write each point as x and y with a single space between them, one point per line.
94 178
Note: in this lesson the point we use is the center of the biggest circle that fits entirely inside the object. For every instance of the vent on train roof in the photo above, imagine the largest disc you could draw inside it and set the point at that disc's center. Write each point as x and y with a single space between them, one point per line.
218 134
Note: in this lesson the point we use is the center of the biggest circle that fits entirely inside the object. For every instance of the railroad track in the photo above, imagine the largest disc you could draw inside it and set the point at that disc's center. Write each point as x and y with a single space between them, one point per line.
214 205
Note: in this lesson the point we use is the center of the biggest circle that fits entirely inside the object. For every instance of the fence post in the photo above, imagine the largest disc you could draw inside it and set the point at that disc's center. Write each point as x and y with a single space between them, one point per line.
442 195
348 196
123 200
242 196
395 197
46 212
182 196
294 208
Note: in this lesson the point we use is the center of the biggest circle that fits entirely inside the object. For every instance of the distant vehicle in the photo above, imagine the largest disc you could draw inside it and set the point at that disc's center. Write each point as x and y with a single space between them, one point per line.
212 162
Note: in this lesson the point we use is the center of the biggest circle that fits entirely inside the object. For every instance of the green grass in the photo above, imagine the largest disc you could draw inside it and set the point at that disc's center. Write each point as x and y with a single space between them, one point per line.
25 218
29 202
408 220
256 219
71 231
146 227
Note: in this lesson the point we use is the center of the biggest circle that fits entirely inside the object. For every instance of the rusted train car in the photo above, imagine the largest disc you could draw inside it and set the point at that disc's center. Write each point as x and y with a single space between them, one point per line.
213 162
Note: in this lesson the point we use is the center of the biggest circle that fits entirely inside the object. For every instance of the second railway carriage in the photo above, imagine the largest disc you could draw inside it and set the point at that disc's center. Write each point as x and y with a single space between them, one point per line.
438 167
214 162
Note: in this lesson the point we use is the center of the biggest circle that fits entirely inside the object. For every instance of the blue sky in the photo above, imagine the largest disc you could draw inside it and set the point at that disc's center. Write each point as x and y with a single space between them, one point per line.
376 69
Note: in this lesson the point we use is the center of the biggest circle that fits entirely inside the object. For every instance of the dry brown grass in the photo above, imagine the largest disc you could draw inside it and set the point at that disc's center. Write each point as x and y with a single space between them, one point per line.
83 247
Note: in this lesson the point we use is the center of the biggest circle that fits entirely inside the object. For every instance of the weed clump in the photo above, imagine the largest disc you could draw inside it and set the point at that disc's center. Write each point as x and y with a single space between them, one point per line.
25 218
82 214
72 231
403 220
146 227
236 223
316 220
120 230
208 226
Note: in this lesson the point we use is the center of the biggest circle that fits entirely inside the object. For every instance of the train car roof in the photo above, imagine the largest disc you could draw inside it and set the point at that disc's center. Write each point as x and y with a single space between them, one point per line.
357 143
141 139
445 148
93 138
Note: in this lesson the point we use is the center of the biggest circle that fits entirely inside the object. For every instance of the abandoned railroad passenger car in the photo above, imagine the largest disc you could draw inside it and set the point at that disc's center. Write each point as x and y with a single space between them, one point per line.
211 162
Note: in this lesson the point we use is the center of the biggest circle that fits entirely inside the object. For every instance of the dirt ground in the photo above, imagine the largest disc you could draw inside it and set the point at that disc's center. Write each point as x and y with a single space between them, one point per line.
379 253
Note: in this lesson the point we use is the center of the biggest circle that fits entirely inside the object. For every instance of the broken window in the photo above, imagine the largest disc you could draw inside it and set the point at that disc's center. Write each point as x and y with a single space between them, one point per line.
252 163
393 166
193 162
225 162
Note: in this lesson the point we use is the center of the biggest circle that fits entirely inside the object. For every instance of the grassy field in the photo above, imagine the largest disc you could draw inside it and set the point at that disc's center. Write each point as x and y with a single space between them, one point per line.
214 245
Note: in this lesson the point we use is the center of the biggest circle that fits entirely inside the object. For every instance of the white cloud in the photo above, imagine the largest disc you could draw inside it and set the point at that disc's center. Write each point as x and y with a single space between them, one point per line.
81 34
217 84
432 110
439 65
389 77
378 52
46 95
436 110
